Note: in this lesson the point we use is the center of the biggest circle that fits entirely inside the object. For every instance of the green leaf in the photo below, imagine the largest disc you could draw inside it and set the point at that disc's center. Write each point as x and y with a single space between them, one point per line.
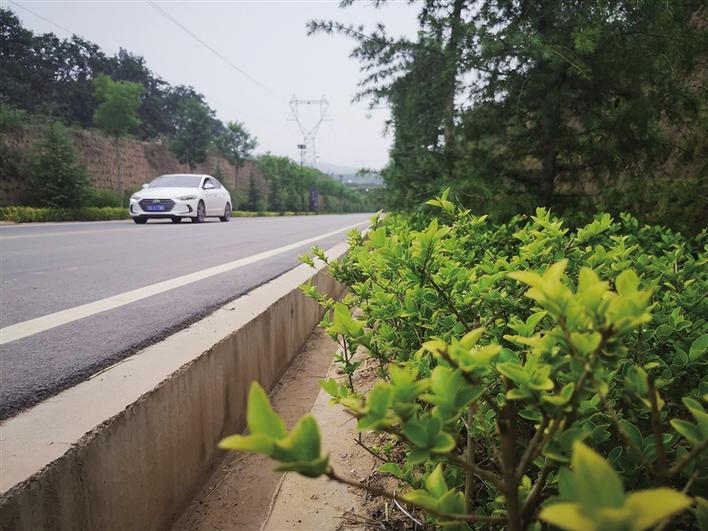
260 416
421 498
566 487
699 414
627 282
391 468
527 277
330 386
435 482
654 505
417 456
702 513
443 443
632 432
585 343
598 486
568 516
515 372
698 348
688 430
258 443
310 469
417 433
533 320
302 443
379 399
470 339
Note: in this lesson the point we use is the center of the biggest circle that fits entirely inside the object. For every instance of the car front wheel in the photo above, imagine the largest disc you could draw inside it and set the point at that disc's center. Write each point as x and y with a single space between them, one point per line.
227 213
201 213
140 221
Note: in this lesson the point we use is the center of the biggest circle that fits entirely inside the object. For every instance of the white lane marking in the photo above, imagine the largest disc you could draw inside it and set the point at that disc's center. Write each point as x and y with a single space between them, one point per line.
4 236
50 234
52 320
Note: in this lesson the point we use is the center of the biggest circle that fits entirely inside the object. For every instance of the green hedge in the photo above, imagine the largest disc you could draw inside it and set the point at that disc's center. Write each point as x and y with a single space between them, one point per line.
31 214
22 214
531 376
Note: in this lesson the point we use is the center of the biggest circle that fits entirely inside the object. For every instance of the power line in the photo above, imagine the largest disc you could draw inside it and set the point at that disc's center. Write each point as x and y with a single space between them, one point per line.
211 49
45 19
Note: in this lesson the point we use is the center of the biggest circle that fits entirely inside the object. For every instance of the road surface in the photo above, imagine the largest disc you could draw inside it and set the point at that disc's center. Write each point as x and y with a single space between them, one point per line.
76 298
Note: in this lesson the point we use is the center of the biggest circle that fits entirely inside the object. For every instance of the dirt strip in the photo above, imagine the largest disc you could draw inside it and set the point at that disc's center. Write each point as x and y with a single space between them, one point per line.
239 493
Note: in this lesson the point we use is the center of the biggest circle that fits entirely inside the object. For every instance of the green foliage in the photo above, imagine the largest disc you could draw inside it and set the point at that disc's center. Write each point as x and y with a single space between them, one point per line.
526 344
255 197
234 143
603 504
289 184
193 136
56 177
297 450
566 105
104 199
46 75
16 214
11 120
116 114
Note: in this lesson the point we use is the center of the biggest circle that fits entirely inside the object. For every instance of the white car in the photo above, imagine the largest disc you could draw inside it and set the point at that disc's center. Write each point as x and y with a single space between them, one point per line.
181 195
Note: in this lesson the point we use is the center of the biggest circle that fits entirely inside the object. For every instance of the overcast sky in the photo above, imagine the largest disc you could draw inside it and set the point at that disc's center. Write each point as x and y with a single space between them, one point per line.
267 40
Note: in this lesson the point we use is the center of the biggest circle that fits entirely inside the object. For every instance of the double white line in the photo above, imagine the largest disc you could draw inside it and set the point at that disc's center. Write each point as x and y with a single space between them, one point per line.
52 320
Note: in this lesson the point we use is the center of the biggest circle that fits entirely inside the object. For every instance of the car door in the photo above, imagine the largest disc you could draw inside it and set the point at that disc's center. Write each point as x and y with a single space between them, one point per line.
211 197
224 195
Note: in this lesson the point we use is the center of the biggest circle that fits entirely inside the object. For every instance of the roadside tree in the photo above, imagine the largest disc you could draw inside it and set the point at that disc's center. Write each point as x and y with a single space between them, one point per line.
117 114
194 129
56 177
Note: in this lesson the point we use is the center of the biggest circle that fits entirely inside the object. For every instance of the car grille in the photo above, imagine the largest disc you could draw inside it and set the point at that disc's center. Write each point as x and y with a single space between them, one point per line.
167 205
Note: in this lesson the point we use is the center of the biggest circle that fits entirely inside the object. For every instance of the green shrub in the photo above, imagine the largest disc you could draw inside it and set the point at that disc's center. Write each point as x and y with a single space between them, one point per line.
56 178
23 214
104 198
505 353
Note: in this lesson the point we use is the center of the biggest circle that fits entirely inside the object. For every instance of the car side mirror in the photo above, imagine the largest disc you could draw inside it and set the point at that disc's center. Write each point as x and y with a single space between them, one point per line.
208 186
145 185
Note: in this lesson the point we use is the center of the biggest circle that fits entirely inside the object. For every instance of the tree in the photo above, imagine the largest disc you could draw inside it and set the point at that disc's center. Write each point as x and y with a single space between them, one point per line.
57 179
116 114
235 143
11 121
193 133
551 102
255 201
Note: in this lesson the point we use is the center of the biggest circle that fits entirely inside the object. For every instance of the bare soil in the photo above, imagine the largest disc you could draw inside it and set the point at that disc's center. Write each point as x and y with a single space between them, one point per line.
240 492
244 493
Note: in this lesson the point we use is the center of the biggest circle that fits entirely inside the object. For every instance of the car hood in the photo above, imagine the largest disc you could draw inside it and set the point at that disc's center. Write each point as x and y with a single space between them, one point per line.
165 193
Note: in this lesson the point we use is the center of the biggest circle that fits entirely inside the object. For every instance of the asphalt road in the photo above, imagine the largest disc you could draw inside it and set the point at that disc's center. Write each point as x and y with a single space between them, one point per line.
64 287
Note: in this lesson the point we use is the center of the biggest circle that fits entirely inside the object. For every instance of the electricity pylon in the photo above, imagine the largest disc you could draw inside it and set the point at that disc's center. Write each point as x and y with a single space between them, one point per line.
308 150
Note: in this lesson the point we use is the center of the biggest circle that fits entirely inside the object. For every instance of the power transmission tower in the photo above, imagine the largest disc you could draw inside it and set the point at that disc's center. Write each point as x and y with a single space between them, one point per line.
308 149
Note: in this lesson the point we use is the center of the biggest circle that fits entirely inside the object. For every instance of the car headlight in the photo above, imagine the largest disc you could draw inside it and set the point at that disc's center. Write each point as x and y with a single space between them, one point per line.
135 198
187 197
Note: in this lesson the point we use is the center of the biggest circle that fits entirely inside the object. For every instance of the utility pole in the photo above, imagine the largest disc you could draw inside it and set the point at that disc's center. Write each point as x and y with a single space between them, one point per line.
302 148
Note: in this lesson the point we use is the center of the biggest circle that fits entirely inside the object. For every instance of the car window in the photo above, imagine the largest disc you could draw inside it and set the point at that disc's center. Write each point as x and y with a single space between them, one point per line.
176 181
216 183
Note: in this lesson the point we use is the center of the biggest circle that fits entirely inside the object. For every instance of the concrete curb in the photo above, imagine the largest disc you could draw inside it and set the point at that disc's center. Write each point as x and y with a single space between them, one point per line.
130 447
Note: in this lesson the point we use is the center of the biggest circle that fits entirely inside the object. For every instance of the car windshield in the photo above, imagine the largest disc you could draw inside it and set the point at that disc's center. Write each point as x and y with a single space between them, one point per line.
176 181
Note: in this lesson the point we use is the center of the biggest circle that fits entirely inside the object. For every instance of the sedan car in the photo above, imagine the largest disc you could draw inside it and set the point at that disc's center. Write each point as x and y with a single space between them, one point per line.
181 195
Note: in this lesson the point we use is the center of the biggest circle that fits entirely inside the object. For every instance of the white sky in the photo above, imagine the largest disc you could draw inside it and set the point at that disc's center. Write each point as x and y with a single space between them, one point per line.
264 38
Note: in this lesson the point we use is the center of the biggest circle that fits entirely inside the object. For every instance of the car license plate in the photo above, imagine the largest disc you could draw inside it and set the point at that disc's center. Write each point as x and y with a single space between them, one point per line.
156 208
